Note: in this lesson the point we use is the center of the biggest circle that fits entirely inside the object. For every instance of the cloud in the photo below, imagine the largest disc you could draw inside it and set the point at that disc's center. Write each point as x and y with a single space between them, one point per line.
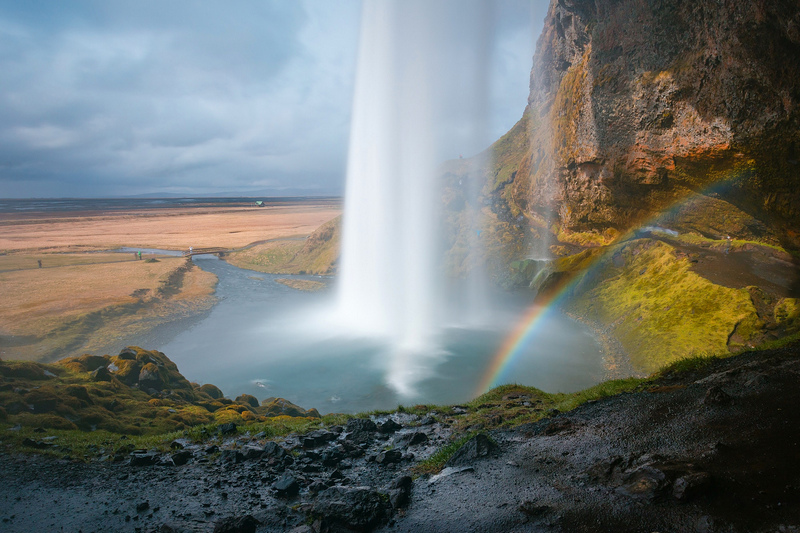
105 98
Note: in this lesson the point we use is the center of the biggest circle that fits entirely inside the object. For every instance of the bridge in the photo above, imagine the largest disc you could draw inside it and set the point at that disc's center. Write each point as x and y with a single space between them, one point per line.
202 251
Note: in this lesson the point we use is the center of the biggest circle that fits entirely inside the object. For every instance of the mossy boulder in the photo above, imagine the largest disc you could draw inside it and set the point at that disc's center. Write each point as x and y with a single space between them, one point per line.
247 399
84 363
211 390
137 392
281 406
26 370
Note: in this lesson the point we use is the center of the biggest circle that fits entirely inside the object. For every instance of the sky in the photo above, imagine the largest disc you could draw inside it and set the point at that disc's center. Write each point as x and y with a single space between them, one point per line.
253 97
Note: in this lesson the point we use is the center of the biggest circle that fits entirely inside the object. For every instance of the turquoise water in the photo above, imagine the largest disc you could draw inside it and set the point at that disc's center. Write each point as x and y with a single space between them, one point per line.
266 339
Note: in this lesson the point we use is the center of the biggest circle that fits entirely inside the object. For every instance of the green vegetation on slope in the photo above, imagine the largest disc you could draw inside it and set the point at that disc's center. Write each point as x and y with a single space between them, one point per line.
137 392
658 308
316 255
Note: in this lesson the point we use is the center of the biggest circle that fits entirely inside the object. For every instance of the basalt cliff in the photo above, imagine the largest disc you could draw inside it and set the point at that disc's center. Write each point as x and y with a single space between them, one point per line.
638 104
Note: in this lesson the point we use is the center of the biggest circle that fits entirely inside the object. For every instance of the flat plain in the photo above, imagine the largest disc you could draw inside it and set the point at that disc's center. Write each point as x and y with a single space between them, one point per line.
67 291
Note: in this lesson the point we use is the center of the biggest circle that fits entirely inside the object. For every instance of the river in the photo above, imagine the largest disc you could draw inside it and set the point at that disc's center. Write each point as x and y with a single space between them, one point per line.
266 339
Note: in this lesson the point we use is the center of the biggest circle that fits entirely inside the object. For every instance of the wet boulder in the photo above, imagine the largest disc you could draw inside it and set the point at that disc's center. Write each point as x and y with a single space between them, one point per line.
477 447
410 439
350 509
360 430
389 426
286 487
238 524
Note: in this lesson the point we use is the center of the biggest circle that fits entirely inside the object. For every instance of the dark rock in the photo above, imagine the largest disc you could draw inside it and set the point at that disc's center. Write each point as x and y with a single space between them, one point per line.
273 449
717 396
400 492
100 374
332 456
227 429
390 426
410 439
605 467
360 430
147 459
175 445
128 354
181 458
350 509
240 524
389 457
317 487
427 420
142 506
231 456
37 444
691 485
286 487
477 447
644 483
252 453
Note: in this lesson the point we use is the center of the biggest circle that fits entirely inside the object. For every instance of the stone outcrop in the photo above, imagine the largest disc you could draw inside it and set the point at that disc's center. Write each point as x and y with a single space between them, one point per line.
635 105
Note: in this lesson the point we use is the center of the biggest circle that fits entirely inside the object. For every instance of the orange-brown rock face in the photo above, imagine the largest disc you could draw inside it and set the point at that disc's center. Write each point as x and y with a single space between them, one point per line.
636 103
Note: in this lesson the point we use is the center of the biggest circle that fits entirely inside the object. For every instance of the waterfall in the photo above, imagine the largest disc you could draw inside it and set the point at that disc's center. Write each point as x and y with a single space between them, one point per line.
419 99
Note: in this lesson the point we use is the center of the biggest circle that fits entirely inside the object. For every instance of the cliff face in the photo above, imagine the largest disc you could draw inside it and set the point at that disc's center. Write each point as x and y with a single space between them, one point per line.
636 104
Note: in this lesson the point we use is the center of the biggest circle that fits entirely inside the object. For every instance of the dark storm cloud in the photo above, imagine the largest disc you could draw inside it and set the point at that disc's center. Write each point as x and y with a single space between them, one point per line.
106 98
123 98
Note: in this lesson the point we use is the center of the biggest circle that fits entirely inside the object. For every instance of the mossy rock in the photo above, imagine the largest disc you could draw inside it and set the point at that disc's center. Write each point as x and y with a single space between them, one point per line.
84 363
247 399
211 390
48 421
787 314
281 406
26 370
126 370
80 392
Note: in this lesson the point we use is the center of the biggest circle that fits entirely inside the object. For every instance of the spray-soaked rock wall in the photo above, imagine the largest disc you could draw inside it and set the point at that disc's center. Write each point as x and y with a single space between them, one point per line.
635 104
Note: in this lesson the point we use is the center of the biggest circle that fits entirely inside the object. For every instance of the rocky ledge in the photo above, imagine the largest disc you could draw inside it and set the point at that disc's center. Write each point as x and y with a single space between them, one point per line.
712 448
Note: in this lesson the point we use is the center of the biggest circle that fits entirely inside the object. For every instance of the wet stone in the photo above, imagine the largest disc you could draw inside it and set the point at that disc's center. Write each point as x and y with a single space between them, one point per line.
390 426
286 487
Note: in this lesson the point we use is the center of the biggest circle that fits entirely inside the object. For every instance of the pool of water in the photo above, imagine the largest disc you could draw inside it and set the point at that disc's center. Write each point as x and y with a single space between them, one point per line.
266 339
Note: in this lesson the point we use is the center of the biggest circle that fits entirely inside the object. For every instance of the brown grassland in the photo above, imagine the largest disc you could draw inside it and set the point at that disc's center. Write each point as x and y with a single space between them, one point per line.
85 298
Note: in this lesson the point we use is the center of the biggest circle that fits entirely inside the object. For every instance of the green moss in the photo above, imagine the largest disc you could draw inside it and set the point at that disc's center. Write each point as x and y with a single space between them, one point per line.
318 254
659 309
435 462
787 314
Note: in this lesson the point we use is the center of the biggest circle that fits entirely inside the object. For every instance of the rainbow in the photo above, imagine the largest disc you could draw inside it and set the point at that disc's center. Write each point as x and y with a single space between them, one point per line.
520 337
526 329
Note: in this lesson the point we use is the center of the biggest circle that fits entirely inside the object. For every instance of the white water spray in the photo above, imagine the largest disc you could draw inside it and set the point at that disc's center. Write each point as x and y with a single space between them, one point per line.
414 81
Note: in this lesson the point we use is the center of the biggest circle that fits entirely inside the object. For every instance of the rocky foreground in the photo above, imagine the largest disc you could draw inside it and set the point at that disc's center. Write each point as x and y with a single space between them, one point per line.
709 449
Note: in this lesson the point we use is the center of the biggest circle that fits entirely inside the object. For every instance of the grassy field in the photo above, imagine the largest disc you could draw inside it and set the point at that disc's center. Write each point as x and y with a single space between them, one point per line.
172 229
85 298
46 311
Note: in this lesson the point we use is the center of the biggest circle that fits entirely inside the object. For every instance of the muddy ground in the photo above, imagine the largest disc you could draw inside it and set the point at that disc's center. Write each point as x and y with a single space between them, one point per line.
712 450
